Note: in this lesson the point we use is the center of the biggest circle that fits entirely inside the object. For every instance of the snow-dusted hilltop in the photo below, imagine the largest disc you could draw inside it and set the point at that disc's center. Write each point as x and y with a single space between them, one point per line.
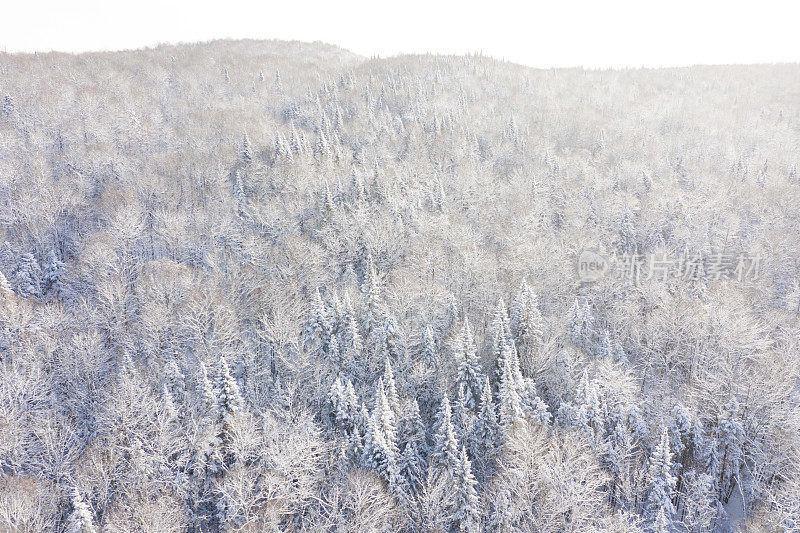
257 286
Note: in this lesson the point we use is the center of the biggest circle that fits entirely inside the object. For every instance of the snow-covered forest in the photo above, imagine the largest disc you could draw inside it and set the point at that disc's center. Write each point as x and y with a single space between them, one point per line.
271 286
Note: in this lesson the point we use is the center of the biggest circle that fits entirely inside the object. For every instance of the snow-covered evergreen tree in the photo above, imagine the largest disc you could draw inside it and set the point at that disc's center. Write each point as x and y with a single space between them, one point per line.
371 288
320 320
428 352
229 400
582 325
468 373
28 276
730 447
662 482
51 283
245 152
446 445
391 389
390 339
466 513
510 405
80 518
526 323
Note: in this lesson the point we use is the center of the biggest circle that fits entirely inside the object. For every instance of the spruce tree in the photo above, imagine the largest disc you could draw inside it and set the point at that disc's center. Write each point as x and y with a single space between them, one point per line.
390 339
391 388
466 509
662 481
527 324
28 276
373 314
468 374
428 348
510 404
229 401
487 426
245 153
51 284
320 321
80 518
501 340
446 451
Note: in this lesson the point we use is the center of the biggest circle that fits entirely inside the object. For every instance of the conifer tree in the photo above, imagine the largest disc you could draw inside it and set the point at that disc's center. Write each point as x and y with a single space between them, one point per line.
466 509
374 450
486 426
428 347
391 389
80 518
510 404
730 438
662 481
501 340
373 314
51 277
390 339
581 325
245 153
413 427
329 205
446 451
526 323
175 380
412 466
320 321
338 403
468 374
238 187
229 401
28 276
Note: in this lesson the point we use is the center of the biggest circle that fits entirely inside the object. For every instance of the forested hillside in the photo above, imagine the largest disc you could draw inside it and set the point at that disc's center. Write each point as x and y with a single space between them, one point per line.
270 286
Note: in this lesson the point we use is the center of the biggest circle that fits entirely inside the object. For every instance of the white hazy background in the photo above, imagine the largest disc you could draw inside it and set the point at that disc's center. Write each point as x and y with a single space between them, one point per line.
595 34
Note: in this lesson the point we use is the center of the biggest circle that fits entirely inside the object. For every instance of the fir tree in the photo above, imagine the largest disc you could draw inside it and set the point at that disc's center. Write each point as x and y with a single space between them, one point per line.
372 292
731 438
80 518
51 277
502 343
329 205
468 374
390 339
28 276
320 321
486 426
245 153
582 326
427 350
374 450
526 322
662 481
446 451
175 380
466 508
412 466
229 401
510 404
391 388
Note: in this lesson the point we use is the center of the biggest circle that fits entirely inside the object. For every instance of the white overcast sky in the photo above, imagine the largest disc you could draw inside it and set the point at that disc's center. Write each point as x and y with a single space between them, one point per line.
600 33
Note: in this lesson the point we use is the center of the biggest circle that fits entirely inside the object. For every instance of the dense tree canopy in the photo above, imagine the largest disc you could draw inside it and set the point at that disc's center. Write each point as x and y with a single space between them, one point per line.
248 286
